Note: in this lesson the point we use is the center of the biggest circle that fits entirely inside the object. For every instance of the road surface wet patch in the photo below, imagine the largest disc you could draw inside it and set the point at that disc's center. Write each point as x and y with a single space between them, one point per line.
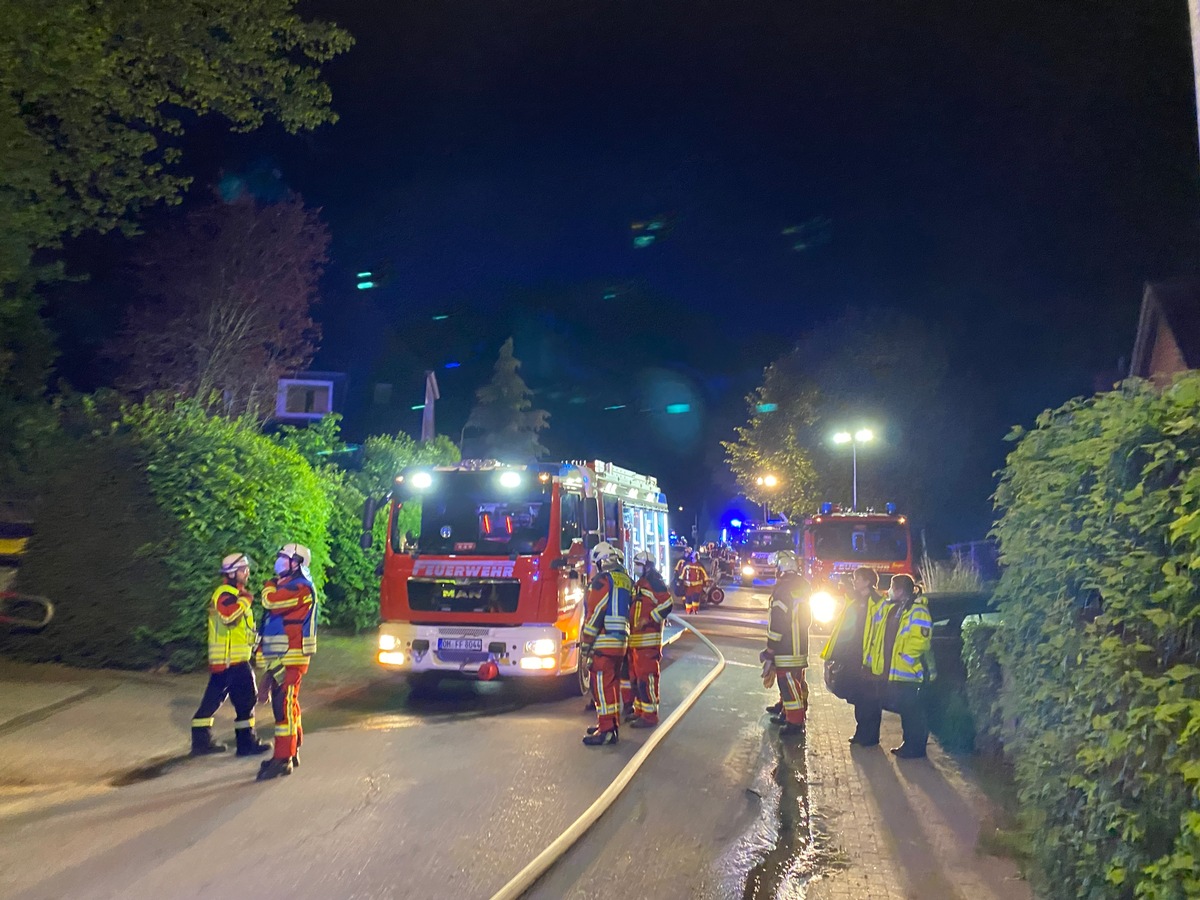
797 854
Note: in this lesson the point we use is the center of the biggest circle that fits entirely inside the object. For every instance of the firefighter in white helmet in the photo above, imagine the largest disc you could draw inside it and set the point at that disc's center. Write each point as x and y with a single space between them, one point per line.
231 640
288 643
605 637
648 611
787 640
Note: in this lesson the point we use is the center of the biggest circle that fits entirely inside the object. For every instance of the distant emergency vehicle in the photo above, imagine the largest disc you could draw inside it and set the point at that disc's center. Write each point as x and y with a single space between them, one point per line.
492 581
757 553
834 543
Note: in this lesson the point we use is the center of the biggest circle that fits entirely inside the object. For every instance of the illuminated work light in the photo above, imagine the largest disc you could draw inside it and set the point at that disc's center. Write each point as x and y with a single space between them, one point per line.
510 479
422 480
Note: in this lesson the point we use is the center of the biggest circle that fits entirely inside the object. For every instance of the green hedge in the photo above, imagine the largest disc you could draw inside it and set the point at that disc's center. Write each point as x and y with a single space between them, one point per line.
134 521
352 592
1100 537
984 683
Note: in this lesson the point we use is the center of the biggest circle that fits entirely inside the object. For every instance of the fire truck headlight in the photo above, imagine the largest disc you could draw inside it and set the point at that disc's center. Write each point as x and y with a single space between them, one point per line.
510 479
395 658
541 647
823 607
748 571
534 663
387 642
422 480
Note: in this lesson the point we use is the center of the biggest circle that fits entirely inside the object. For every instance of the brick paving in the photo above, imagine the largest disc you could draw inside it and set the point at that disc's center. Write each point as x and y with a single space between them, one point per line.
895 829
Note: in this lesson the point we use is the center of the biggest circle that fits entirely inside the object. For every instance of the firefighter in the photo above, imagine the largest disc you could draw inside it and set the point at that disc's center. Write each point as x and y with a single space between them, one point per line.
899 655
288 643
231 640
605 638
846 650
647 613
693 578
787 640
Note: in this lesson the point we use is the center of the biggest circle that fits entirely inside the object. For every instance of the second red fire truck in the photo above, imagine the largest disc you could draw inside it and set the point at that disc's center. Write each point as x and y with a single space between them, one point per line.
834 543
492 582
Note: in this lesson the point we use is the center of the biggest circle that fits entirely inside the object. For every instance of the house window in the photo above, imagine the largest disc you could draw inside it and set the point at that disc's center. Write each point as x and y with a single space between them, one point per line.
299 399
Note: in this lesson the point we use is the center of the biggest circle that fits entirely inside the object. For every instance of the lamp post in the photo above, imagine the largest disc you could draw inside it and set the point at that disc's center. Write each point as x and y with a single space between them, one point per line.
862 436
769 482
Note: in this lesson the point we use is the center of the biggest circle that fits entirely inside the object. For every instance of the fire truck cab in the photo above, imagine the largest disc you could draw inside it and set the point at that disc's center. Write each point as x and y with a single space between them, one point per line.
492 579
836 542
757 556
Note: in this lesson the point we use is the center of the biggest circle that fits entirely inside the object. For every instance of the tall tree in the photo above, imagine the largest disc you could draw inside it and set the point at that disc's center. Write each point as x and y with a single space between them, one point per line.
92 96
225 304
505 415
773 443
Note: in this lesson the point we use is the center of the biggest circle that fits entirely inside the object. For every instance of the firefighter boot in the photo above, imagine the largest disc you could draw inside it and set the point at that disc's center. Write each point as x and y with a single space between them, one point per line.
777 709
203 744
643 722
792 728
248 743
273 768
600 738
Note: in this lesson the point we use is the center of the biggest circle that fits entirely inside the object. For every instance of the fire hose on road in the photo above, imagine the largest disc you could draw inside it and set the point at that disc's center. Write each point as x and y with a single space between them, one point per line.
542 863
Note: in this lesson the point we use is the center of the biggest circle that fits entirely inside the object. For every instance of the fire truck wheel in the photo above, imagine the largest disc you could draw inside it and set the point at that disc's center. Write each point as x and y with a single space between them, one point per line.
584 680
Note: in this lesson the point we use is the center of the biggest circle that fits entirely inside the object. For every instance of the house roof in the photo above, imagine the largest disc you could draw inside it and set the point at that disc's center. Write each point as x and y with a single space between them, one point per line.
1177 303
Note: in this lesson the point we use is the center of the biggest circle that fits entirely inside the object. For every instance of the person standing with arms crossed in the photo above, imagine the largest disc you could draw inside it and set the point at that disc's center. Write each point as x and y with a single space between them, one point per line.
231 640
288 644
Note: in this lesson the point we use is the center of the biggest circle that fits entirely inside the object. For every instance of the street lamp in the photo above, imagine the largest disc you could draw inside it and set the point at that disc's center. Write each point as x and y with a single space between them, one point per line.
769 482
862 436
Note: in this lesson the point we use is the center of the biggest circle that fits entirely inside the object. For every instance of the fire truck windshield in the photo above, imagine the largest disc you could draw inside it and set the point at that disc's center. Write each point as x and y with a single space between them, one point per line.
470 514
861 541
770 541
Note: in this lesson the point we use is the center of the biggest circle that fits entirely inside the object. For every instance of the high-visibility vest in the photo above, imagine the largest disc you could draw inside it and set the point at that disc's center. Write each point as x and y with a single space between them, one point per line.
606 628
912 655
874 602
231 634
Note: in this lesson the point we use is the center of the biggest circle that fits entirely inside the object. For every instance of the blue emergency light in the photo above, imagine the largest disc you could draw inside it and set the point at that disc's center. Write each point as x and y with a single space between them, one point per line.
826 508
891 509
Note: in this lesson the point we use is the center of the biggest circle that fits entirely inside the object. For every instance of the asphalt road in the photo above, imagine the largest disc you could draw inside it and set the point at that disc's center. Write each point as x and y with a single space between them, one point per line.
444 794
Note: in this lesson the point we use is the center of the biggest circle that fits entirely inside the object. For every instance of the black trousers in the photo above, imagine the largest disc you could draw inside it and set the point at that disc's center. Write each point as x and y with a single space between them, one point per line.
236 683
905 699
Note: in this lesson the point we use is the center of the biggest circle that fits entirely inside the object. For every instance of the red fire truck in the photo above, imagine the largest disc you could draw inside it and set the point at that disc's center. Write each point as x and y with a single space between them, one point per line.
492 582
836 542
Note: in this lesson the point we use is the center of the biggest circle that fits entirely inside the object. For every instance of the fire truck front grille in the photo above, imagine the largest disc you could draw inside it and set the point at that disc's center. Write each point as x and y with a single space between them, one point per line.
497 595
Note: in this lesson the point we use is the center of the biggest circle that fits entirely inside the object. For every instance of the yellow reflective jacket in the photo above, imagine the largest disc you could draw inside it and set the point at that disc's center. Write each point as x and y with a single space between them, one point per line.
912 655
231 634
874 602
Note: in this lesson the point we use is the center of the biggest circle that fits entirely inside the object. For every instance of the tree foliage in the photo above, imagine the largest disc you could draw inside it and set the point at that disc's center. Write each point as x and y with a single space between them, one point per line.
878 369
93 98
1100 642
225 305
504 413
781 412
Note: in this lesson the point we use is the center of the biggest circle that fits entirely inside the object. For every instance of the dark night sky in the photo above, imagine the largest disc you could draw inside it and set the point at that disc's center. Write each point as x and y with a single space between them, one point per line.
1014 171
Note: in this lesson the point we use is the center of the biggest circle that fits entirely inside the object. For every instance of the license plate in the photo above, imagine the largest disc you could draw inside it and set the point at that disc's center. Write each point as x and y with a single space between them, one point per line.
475 644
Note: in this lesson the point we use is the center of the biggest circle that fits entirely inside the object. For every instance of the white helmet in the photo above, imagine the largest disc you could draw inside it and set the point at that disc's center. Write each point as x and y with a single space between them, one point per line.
643 560
605 556
785 561
297 553
233 562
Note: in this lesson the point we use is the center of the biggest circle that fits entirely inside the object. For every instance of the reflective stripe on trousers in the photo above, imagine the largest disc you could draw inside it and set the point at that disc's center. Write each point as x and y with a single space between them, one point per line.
794 691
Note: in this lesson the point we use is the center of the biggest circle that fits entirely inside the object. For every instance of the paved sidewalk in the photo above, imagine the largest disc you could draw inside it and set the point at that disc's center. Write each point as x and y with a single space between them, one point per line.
65 732
897 829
